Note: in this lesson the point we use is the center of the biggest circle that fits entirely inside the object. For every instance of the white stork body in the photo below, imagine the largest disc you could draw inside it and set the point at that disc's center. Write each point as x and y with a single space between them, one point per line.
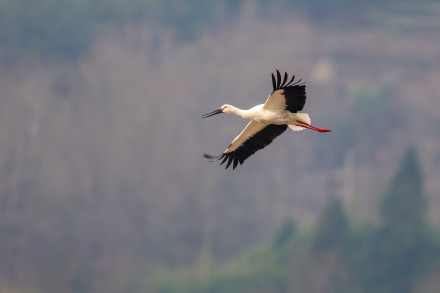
266 115
268 120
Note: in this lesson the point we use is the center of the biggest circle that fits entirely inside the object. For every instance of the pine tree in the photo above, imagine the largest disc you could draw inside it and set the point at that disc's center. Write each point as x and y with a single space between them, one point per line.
331 228
400 250
327 255
285 234
405 204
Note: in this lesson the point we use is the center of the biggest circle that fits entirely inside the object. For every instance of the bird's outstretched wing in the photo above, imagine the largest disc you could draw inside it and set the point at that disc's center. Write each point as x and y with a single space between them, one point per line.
286 95
254 137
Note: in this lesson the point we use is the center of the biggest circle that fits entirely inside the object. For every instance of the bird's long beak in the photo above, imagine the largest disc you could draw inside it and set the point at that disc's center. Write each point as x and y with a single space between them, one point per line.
218 111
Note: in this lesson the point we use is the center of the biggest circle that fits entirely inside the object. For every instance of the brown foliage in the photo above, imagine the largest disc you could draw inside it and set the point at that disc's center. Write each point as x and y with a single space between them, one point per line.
101 165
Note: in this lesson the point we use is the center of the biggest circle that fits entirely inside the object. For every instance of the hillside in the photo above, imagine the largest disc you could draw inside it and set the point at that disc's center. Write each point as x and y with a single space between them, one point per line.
101 161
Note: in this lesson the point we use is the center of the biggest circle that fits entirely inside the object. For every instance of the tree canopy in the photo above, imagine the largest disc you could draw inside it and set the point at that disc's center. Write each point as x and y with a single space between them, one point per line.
404 204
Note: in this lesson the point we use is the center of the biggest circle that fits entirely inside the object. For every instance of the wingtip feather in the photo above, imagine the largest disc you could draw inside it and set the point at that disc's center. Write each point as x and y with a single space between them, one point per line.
284 80
278 79
211 158
274 85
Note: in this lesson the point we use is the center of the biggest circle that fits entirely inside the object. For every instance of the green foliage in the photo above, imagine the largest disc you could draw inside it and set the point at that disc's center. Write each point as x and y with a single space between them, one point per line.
392 256
405 204
388 258
391 261
82 279
370 102
190 18
282 239
256 270
62 28
65 28
323 9
121 11
285 234
331 229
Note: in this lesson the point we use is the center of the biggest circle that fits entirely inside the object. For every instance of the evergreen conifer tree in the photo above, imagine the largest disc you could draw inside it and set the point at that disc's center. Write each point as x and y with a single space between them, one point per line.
331 228
285 234
400 250
405 204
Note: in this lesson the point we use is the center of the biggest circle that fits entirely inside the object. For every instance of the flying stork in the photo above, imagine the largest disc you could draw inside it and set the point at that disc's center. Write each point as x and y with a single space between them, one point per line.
268 120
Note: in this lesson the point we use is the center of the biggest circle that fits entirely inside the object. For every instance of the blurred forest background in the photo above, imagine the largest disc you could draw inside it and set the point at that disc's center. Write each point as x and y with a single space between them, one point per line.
103 187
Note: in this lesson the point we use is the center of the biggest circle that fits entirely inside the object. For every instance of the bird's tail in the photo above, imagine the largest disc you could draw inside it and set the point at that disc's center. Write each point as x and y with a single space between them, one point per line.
304 117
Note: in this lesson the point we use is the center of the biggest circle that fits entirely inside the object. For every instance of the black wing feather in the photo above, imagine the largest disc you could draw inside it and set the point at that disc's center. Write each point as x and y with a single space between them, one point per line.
230 158
295 94
257 142
274 84
295 98
290 82
278 79
235 160
285 79
224 159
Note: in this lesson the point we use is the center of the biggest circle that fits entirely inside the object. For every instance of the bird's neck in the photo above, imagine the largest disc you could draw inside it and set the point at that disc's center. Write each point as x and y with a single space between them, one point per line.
242 113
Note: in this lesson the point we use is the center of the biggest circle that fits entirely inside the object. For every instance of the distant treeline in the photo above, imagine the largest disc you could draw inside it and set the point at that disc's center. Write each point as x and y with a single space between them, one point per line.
64 28
399 254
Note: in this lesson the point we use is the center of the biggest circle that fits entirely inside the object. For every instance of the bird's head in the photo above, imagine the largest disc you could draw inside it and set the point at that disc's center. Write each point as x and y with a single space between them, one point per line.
226 108
223 109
